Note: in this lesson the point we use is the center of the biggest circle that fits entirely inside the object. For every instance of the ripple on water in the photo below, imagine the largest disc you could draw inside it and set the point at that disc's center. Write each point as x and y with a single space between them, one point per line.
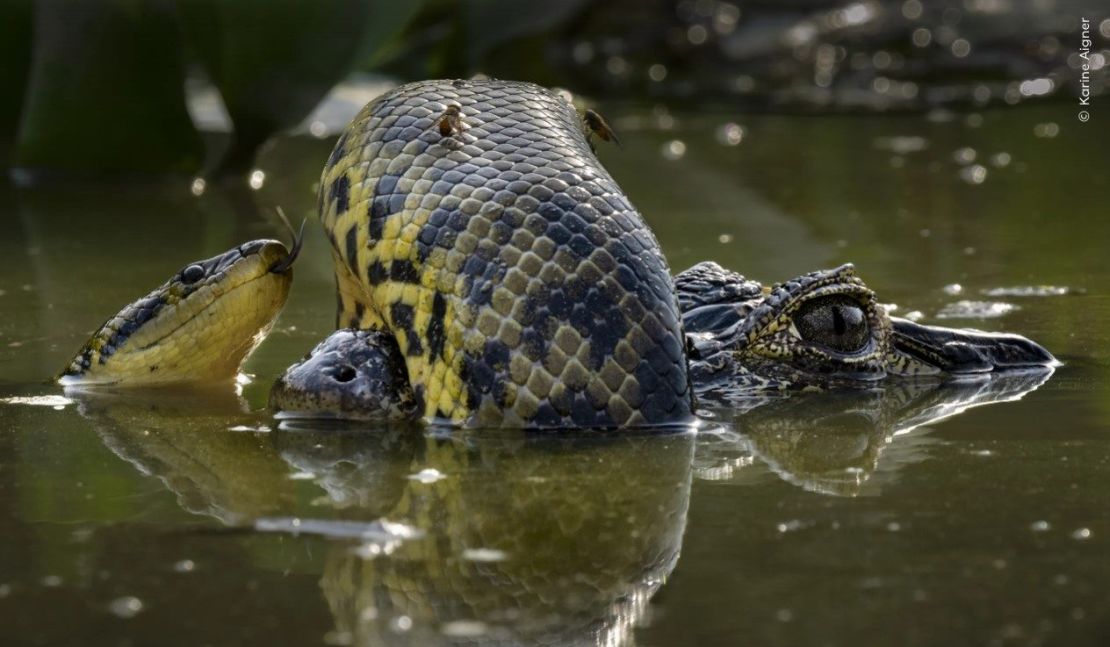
1030 291
965 309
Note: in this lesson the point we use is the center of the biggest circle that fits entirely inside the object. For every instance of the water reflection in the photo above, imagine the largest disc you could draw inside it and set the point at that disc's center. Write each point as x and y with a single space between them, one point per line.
834 443
516 538
439 538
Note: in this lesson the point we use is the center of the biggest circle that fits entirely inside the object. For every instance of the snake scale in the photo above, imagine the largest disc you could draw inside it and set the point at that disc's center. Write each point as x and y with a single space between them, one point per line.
521 285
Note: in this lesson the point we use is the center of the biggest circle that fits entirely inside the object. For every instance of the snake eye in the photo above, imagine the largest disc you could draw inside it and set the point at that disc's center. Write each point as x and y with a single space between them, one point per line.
836 322
192 274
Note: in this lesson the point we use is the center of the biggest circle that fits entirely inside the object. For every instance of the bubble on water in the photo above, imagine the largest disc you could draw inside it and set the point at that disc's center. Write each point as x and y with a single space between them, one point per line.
427 475
185 566
792 526
1036 87
724 239
400 624
697 34
1040 526
953 289
257 179
463 629
730 134
974 174
1081 534
198 186
1047 130
582 52
301 476
914 315
617 66
126 607
484 555
976 310
901 144
1001 160
674 150
965 155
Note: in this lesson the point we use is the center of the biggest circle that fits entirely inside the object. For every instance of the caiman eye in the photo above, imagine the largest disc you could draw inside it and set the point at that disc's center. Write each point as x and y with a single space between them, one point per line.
836 322
192 274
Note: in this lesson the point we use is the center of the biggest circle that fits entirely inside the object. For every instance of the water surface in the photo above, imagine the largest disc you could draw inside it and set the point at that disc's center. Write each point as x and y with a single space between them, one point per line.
936 514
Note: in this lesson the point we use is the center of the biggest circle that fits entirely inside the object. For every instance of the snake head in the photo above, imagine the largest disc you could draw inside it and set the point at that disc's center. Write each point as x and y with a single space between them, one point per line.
197 327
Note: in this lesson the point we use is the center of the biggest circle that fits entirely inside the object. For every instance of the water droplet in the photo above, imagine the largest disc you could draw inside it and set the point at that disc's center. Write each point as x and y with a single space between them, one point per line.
185 566
257 179
400 624
463 628
674 150
922 37
198 186
730 134
126 607
1081 534
1040 526
784 615
894 526
318 129
912 9
657 72
52 581
961 47
953 288
724 239
1000 160
1046 130
974 174
301 476
485 555
965 155
428 475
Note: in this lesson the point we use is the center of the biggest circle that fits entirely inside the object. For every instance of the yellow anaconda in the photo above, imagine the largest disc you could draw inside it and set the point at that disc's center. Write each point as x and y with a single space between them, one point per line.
472 223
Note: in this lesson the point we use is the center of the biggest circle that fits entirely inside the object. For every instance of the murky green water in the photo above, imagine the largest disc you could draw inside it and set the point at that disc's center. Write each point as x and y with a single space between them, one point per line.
913 517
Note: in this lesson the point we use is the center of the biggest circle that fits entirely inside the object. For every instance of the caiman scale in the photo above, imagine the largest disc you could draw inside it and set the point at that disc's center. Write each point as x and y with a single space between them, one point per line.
491 273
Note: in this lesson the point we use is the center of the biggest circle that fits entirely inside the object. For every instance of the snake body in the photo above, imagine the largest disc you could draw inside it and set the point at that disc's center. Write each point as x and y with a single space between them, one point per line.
520 284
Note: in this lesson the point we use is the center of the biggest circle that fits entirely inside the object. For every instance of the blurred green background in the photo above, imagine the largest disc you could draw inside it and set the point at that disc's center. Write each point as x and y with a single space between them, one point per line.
156 78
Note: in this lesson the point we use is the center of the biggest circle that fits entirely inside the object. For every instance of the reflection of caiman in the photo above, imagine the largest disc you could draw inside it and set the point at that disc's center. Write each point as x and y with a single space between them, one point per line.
497 276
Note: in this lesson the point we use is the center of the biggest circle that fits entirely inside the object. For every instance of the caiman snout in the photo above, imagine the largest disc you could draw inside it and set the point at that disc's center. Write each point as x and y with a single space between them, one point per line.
968 351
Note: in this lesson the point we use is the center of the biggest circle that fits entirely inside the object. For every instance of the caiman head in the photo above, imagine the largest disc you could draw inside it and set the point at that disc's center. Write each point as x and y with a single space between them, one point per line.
825 329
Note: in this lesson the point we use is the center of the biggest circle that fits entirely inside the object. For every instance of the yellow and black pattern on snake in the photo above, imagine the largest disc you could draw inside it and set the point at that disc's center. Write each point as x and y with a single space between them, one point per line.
520 284
197 327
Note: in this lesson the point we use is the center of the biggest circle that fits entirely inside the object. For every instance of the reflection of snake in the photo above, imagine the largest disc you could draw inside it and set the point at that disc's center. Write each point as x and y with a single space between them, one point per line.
500 277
